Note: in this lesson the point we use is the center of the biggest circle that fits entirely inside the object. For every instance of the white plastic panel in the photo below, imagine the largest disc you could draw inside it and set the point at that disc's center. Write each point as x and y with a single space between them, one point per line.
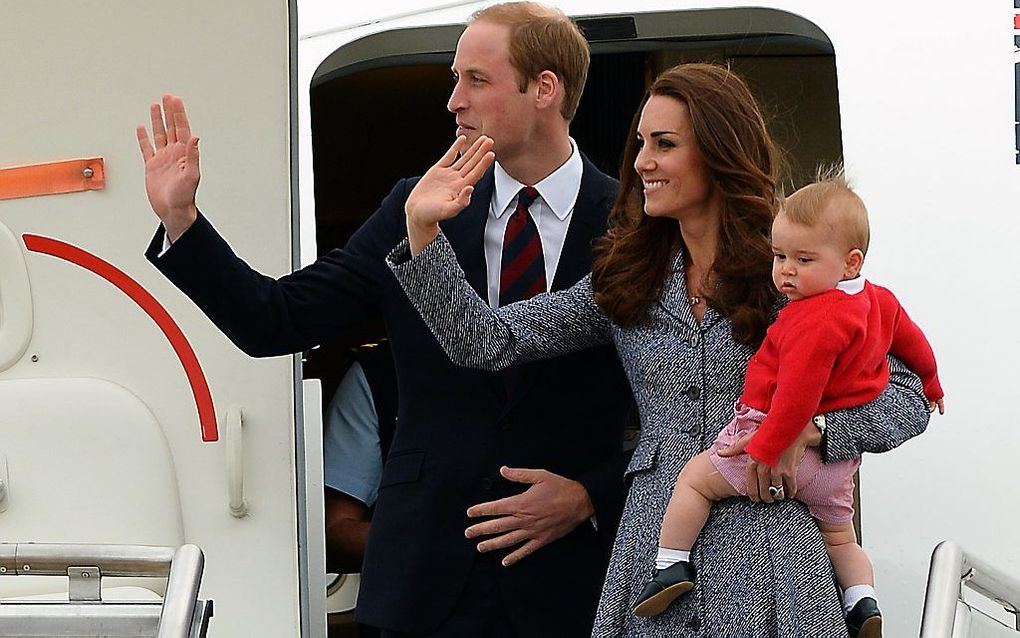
87 463
15 300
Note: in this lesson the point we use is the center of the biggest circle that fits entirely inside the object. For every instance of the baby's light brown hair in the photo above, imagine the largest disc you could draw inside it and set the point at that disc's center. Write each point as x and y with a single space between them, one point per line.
831 200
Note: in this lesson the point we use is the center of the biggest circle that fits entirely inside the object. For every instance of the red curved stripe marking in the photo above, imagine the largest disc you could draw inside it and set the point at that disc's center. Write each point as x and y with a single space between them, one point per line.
148 303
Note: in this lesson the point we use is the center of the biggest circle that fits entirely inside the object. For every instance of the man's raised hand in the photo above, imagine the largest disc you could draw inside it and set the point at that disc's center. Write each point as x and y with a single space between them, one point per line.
445 189
171 165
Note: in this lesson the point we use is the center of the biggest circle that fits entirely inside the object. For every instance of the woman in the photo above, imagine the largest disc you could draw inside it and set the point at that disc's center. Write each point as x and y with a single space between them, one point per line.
681 286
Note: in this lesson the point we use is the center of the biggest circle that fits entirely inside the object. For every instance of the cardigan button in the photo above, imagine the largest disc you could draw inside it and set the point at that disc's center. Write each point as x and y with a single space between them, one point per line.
694 393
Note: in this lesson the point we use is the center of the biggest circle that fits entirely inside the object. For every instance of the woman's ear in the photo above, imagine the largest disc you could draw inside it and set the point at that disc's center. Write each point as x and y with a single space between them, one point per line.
854 261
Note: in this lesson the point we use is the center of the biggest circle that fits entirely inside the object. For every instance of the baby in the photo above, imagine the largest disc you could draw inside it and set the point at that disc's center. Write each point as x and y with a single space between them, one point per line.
826 351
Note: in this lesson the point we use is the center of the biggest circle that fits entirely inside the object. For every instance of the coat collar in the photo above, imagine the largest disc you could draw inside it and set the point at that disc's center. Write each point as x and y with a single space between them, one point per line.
675 299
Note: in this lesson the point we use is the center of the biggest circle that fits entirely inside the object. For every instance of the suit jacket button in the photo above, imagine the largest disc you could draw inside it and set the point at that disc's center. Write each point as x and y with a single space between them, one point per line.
693 393
487 483
503 423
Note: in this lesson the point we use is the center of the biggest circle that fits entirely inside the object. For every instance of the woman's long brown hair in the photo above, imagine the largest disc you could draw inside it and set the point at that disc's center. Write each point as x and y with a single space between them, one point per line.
633 260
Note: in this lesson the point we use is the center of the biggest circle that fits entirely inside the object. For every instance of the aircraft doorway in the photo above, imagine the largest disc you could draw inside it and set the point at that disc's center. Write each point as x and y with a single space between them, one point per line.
388 92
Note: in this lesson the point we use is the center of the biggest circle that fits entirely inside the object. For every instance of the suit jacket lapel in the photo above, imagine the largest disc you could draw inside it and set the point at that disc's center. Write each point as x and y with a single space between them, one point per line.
587 223
466 233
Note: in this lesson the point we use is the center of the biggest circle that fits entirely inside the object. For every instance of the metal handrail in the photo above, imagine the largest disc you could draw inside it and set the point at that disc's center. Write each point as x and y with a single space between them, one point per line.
46 559
951 569
181 592
182 567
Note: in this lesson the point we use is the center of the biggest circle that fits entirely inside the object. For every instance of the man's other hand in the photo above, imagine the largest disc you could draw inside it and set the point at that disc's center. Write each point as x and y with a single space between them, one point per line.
548 510
445 189
171 166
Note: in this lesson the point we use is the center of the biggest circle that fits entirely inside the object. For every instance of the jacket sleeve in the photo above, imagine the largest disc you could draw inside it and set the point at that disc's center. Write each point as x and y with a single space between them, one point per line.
911 346
477 336
898 414
264 316
607 490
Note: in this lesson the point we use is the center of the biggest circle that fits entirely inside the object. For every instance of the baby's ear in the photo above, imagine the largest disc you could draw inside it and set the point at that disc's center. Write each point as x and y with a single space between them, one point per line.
854 261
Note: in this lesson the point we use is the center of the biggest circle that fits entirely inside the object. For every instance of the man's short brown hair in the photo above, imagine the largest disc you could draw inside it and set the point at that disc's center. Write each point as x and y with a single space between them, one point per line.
830 199
543 39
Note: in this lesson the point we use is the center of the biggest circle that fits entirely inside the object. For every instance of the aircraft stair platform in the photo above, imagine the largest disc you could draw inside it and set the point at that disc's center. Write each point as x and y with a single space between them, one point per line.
179 614
949 608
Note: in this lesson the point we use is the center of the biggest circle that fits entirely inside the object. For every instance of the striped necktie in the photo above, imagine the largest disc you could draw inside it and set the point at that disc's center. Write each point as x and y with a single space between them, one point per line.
522 267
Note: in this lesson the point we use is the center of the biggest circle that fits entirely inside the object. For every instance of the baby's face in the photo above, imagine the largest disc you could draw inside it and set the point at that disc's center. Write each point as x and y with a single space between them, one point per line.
808 260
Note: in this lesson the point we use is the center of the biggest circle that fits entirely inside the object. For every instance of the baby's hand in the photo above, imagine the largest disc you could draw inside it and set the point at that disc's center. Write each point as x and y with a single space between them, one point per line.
940 404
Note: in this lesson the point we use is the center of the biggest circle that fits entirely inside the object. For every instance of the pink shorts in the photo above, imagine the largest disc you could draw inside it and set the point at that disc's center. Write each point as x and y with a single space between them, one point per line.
826 488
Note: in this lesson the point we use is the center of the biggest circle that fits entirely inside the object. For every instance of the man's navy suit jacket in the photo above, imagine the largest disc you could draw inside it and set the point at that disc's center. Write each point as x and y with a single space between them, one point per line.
455 426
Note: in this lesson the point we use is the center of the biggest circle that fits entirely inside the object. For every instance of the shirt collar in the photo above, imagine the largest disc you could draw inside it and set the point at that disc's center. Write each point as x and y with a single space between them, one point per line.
558 190
852 286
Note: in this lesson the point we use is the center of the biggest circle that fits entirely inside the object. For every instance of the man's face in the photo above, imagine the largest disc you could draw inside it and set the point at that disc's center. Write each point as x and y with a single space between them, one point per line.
486 98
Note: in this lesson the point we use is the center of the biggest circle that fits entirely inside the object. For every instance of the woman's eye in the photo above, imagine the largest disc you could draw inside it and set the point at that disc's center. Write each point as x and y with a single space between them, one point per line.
666 144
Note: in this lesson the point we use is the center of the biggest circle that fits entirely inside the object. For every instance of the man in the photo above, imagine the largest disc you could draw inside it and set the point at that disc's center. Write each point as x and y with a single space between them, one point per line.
535 564
359 426
357 433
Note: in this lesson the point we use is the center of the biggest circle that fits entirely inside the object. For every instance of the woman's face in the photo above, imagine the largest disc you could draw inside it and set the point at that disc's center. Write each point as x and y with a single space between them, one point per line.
676 182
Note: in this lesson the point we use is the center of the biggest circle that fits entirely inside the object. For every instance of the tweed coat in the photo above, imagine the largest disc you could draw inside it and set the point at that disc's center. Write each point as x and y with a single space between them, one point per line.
762 568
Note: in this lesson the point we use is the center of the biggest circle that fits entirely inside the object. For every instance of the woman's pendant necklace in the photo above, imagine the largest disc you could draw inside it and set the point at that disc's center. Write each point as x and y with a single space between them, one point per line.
695 300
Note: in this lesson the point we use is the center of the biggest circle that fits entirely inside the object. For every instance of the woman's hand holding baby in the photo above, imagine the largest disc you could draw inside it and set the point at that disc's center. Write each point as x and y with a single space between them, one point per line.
760 477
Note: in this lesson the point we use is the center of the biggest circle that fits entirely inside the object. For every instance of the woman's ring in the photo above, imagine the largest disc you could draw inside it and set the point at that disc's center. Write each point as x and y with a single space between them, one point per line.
775 490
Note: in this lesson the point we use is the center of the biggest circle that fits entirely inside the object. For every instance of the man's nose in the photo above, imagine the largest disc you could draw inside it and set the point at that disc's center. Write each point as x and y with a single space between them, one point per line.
456 102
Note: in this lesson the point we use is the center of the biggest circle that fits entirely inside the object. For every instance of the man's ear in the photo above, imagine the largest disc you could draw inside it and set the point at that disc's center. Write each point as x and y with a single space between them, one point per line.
854 261
549 89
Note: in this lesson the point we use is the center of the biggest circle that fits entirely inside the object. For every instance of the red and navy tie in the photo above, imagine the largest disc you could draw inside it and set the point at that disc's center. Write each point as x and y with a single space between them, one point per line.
522 268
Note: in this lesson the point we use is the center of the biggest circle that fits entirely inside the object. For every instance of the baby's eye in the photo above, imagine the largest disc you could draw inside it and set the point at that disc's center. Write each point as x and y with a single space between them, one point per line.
780 256
805 260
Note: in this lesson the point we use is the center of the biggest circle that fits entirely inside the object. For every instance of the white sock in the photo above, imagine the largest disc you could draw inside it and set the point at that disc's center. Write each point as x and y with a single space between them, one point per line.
666 557
853 595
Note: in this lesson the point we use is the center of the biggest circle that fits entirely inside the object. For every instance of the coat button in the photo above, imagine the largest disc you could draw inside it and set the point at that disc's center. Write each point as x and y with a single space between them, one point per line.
693 393
694 623
695 340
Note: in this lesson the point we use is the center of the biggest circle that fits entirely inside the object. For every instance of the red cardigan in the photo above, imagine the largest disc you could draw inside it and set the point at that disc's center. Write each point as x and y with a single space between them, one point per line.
828 352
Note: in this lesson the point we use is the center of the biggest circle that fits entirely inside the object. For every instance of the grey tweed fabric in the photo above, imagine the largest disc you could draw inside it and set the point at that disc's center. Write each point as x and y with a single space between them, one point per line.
762 569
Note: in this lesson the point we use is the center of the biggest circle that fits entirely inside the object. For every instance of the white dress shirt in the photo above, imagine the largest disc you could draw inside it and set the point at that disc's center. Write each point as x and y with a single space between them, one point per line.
551 211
